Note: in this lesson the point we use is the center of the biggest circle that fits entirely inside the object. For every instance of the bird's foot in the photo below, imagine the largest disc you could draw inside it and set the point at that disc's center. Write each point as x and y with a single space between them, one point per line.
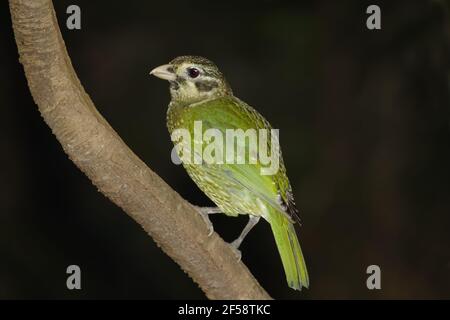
235 248
204 213
208 223
253 220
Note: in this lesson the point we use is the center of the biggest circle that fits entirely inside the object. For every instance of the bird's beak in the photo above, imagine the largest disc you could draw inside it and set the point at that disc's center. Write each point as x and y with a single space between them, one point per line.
164 72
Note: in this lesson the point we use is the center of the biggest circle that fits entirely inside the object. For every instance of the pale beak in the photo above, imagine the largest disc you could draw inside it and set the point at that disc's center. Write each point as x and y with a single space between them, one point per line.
164 72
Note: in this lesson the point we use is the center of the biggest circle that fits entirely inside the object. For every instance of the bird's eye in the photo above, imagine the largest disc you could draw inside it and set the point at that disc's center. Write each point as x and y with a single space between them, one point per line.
193 72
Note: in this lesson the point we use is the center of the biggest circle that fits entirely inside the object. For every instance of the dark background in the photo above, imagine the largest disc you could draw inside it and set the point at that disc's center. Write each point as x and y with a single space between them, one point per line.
364 118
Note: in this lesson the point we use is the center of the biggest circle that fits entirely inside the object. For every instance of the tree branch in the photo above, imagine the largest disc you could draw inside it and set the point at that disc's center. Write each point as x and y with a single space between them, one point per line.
117 172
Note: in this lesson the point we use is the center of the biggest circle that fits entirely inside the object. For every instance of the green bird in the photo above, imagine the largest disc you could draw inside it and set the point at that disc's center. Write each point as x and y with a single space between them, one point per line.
199 92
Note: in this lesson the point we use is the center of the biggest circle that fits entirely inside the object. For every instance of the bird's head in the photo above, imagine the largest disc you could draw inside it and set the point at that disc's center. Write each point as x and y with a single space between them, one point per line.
193 79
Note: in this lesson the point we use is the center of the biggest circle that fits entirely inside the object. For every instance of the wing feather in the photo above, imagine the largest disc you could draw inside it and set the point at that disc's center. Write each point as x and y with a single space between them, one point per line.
232 113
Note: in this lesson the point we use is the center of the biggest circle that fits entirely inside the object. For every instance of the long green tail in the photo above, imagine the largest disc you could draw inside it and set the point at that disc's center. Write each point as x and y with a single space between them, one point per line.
290 251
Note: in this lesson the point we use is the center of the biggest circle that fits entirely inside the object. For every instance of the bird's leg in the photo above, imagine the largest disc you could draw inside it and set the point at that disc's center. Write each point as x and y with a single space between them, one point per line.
208 210
205 212
252 221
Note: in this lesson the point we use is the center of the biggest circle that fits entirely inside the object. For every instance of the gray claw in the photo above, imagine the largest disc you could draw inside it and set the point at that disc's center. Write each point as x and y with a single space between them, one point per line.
208 222
234 247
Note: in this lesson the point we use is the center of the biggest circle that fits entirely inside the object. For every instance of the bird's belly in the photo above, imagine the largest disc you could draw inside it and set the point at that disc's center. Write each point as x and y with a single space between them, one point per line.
229 196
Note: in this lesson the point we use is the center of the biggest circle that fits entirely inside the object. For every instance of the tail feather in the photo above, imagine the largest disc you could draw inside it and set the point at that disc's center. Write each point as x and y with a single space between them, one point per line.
290 251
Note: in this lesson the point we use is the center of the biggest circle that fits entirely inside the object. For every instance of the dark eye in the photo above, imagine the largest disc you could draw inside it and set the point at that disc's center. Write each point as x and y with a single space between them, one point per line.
193 72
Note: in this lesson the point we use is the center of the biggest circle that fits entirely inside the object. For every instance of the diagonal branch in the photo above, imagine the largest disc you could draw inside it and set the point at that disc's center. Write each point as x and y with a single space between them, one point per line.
118 173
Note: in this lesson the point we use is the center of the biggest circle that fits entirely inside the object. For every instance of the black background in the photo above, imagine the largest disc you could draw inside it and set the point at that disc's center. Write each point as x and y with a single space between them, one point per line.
364 119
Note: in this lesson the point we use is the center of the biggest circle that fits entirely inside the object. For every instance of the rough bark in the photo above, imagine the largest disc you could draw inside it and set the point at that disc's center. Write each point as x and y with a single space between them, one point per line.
113 168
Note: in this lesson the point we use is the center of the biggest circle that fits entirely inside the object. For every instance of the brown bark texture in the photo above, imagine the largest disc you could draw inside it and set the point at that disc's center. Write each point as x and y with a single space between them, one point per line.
98 151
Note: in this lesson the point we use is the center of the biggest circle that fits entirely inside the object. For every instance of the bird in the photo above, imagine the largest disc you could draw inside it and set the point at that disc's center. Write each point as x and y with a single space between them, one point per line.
200 92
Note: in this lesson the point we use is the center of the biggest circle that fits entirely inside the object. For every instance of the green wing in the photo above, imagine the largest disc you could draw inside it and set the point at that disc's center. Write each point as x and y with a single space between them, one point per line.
231 113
